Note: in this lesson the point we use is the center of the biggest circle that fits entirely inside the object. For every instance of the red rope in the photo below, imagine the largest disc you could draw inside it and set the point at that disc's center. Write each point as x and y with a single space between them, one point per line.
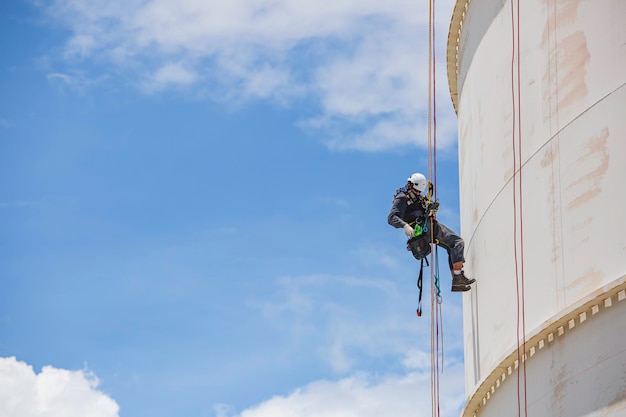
434 100
521 206
519 262
435 311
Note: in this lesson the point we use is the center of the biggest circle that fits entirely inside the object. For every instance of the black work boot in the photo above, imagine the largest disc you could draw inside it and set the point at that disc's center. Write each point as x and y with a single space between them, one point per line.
461 283
460 288
461 279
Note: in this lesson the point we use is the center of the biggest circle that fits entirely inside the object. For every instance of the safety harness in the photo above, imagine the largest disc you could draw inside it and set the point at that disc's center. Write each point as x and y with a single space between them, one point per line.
420 243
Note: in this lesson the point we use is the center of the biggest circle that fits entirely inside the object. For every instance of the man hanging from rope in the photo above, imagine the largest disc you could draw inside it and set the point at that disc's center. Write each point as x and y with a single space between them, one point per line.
413 212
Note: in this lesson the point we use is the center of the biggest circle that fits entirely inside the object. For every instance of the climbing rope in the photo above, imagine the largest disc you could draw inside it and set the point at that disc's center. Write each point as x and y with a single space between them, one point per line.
518 206
436 330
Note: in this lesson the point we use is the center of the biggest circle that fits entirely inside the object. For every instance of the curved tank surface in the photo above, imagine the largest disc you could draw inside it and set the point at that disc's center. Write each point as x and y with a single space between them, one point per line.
539 87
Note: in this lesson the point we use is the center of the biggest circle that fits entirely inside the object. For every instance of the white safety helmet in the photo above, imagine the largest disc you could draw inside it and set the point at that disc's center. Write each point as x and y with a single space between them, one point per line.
418 180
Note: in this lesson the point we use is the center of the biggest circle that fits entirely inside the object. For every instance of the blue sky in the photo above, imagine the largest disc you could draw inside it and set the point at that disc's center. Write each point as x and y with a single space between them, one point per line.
193 208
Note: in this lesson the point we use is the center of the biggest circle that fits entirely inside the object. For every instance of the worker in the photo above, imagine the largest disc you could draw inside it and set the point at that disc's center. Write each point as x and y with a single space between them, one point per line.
412 212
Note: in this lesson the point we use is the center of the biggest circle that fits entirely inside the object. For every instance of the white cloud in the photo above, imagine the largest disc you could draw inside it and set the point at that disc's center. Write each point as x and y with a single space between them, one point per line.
170 74
416 359
378 256
362 62
51 393
350 321
363 395
77 81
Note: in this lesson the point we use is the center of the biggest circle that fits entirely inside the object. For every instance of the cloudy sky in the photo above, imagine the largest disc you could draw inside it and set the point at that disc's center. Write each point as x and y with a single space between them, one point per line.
193 208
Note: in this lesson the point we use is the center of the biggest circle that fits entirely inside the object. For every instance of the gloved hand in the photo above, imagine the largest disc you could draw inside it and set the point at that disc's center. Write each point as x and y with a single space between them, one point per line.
432 208
408 230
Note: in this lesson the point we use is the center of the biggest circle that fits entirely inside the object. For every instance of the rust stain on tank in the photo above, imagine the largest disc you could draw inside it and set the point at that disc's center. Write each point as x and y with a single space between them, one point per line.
587 282
558 12
572 68
548 158
593 165
567 10
547 163
573 57
564 77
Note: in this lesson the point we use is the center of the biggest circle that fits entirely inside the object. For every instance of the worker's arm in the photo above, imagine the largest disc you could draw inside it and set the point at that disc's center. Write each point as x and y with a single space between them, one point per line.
398 208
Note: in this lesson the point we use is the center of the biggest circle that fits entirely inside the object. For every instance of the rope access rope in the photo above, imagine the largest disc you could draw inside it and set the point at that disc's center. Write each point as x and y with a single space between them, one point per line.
435 310
517 153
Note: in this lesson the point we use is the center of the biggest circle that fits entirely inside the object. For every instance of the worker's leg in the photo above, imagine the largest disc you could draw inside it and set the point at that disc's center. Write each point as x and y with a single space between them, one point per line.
455 246
452 243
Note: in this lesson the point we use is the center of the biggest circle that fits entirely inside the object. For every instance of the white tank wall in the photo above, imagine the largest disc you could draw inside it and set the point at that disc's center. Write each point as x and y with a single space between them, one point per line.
573 115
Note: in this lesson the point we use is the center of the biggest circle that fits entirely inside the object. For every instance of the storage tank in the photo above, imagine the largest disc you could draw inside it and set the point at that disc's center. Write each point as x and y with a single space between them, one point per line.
539 87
